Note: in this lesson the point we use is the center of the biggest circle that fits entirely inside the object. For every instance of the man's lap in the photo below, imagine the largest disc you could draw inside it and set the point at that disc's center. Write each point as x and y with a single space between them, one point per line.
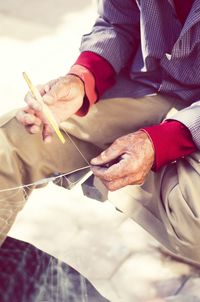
107 120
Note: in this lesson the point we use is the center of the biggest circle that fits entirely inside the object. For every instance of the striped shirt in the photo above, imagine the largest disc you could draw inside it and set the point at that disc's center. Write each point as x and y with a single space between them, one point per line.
164 52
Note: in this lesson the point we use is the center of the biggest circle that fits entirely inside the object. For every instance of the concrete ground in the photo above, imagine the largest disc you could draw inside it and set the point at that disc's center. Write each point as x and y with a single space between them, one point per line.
113 252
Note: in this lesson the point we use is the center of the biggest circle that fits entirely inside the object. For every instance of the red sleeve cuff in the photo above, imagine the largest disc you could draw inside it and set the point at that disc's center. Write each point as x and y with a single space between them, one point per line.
172 140
101 69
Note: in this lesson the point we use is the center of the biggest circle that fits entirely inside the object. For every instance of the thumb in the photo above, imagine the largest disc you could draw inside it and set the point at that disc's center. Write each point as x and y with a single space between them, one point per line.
49 99
107 156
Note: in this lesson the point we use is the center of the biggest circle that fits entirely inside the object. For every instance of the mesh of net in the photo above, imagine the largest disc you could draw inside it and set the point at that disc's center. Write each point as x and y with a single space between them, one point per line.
27 274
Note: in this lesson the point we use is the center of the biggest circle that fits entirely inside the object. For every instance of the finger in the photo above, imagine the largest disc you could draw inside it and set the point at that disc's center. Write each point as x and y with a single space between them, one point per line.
120 169
47 133
113 172
26 117
39 115
99 171
32 102
110 154
33 129
121 182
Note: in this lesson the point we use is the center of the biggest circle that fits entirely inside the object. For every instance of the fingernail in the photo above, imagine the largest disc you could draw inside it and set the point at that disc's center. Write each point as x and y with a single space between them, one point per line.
47 139
94 161
35 129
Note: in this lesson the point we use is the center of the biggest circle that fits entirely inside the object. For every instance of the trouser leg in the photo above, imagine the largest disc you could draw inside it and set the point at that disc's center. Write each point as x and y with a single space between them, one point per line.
179 206
167 205
26 159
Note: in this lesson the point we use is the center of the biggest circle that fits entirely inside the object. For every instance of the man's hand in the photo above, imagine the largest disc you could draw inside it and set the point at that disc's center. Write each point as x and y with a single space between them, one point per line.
127 161
64 97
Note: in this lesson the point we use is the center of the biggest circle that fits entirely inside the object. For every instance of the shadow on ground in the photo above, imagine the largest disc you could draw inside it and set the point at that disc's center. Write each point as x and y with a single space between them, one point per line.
27 20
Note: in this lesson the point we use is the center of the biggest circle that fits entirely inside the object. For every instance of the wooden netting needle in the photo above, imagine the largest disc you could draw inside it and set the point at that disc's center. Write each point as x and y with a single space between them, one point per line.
45 109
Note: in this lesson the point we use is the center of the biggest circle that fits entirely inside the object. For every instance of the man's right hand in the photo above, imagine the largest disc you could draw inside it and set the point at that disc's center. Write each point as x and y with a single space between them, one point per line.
64 97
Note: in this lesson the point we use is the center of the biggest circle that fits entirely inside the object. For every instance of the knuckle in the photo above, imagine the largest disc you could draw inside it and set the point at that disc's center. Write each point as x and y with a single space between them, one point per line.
116 143
28 119
103 156
109 186
107 177
117 140
50 97
102 175
112 188
140 180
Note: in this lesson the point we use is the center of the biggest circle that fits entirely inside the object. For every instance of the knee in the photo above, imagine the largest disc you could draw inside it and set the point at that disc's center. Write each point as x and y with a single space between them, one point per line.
183 222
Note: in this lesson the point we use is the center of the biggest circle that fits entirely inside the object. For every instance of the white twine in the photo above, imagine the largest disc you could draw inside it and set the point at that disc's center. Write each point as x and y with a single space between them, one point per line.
54 178
46 180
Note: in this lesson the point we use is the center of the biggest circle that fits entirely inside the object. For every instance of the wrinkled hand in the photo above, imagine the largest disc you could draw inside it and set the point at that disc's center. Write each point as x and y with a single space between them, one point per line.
64 97
127 161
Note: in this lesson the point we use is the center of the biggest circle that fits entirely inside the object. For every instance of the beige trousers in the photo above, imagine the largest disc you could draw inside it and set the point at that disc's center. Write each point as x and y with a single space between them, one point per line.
167 205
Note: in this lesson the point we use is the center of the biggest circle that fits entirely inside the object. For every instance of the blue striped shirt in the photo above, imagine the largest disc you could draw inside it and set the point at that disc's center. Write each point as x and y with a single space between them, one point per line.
162 53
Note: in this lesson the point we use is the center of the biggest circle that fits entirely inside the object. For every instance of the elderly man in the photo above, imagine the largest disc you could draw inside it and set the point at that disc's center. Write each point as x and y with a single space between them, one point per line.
134 93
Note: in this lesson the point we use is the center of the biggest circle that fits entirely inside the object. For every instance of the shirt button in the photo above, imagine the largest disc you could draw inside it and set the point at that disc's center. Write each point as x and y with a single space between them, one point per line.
169 56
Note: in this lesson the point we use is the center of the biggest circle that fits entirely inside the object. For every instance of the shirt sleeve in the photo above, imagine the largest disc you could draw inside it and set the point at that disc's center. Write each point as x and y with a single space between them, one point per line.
189 117
115 35
172 141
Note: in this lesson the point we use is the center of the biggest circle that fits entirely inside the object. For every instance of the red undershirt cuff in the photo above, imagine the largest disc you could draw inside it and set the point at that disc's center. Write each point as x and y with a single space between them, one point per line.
97 75
172 140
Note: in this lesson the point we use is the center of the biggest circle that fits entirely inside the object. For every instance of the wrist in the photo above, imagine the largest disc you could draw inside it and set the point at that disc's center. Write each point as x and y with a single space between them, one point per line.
76 80
150 146
171 140
88 80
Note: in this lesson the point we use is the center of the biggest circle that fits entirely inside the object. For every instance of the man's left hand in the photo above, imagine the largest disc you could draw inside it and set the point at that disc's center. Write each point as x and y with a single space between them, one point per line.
127 161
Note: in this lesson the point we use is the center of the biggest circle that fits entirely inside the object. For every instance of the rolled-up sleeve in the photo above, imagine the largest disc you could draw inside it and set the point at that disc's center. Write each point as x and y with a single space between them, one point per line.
116 32
190 117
